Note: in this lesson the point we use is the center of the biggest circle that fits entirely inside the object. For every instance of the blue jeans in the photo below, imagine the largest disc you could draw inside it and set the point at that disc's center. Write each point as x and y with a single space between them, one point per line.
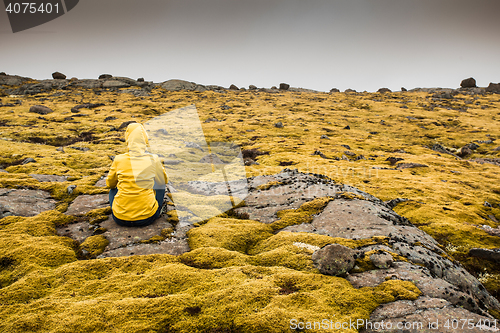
160 194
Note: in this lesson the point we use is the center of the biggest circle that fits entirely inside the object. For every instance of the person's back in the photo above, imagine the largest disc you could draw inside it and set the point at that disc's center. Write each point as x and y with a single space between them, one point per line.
137 181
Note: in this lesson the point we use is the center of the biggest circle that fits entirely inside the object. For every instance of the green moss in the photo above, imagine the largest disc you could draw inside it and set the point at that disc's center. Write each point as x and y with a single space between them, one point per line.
95 245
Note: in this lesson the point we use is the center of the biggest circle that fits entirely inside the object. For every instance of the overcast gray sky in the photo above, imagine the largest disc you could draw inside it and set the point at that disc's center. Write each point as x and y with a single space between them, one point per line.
316 44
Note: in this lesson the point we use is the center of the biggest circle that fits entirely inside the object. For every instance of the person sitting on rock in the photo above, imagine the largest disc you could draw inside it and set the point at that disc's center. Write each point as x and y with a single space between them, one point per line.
137 180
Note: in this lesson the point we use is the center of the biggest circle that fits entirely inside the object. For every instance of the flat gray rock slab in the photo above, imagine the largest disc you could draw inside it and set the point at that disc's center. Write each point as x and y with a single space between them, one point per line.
24 202
48 178
85 203
126 241
173 247
120 236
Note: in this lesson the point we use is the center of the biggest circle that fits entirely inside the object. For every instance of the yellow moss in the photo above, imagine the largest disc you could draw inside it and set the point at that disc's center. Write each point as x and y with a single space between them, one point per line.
95 245
268 185
44 285
351 196
301 215
167 232
285 238
365 264
154 239
98 215
231 234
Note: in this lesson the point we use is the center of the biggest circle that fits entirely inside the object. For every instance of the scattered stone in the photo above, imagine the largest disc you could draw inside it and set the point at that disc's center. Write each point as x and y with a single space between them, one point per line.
24 202
141 79
324 137
487 204
464 152
252 87
384 90
28 160
85 203
48 178
177 85
61 149
115 84
279 125
334 259
381 260
493 87
80 148
404 89
233 87
393 160
101 182
347 127
334 90
77 108
58 76
346 146
440 149
125 124
468 83
70 189
410 165
349 91
105 76
394 202
40 109
284 86
493 255
317 152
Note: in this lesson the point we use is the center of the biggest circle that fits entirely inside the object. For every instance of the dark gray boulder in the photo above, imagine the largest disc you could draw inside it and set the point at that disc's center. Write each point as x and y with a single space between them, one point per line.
334 259
40 109
468 83
58 76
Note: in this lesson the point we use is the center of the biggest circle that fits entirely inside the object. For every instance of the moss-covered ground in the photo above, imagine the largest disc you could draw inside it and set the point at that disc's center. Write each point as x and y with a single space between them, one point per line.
240 276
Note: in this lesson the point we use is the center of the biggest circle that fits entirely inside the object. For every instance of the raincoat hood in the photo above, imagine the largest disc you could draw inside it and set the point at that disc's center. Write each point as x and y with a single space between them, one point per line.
136 139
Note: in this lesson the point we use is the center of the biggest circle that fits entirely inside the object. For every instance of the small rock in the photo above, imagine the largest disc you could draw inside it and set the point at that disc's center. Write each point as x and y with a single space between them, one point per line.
468 83
274 88
318 152
233 87
61 149
141 79
58 76
334 259
381 260
485 253
105 76
347 127
284 86
211 158
125 124
279 125
350 91
325 137
384 90
40 109
404 89
252 87
70 189
393 160
28 160
334 90
464 151
346 146
487 204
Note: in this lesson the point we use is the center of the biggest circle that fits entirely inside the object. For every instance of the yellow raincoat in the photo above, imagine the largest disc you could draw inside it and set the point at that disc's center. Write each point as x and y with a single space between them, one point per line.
135 173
